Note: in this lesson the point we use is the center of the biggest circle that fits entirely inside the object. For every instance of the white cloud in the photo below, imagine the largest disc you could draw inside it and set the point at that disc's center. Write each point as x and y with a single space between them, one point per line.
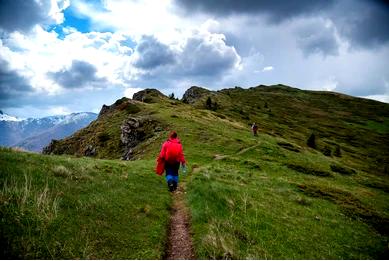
57 8
59 110
39 53
129 92
267 69
381 98
136 18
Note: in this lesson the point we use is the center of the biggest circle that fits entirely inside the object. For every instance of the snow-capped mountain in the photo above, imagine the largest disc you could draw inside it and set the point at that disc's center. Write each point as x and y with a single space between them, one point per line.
33 134
6 117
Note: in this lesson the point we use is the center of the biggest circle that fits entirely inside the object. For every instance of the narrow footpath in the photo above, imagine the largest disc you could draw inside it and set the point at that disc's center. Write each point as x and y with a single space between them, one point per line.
180 242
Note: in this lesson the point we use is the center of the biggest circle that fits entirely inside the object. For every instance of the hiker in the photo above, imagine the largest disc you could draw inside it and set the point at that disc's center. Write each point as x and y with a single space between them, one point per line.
171 156
254 128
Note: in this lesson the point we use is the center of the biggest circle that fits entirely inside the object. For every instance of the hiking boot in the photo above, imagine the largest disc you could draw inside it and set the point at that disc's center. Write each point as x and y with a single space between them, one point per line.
170 185
174 185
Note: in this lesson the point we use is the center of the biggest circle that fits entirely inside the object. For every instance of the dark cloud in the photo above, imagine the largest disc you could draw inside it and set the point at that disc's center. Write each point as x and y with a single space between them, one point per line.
22 15
153 53
364 23
276 10
202 59
12 85
205 58
79 75
315 37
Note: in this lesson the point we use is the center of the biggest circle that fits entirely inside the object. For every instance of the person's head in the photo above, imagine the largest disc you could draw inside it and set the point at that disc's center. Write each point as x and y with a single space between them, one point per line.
173 135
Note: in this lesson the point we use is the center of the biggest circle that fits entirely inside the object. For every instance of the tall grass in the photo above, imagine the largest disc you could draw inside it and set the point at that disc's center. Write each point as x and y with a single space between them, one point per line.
67 208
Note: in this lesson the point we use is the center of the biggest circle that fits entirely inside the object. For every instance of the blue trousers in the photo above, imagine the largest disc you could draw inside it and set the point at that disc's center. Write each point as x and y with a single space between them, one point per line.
172 175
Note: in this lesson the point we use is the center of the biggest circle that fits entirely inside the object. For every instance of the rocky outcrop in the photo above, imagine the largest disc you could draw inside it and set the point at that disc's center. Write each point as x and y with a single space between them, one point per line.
90 151
148 95
194 93
135 130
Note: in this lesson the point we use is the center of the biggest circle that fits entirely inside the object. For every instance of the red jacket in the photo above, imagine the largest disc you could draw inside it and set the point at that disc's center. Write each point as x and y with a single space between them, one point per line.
172 151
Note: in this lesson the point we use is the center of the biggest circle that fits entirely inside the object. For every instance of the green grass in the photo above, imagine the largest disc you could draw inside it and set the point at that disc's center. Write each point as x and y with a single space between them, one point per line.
246 203
264 197
56 207
245 212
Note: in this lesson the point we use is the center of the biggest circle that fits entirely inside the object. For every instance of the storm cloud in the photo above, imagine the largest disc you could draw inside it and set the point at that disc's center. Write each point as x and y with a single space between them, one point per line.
151 54
201 55
362 22
12 85
80 74
207 56
23 15
277 10
317 37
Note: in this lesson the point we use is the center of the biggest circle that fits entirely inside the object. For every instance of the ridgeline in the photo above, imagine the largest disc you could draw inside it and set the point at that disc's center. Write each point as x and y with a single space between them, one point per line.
312 185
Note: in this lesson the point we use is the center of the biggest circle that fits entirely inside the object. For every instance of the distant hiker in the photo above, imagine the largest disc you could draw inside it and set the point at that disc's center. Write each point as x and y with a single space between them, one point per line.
254 128
169 160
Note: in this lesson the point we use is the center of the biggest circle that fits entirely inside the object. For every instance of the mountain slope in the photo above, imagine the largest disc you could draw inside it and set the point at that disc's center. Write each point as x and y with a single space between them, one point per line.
265 196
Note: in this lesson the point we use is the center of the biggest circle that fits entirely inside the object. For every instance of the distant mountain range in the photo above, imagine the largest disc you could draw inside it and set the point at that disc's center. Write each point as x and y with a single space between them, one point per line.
34 133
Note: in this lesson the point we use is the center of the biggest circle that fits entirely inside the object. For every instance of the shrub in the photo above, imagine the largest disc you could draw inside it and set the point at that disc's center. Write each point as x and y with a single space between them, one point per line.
342 170
103 137
337 152
311 142
327 151
61 171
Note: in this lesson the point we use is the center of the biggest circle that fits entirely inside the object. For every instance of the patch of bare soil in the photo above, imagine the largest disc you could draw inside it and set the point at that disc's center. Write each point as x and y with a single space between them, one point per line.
179 240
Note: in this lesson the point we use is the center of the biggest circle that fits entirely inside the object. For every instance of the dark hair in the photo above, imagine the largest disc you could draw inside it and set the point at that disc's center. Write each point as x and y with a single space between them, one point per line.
173 135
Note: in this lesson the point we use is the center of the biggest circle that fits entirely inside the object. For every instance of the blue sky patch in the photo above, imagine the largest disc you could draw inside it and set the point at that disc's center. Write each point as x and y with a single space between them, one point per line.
82 24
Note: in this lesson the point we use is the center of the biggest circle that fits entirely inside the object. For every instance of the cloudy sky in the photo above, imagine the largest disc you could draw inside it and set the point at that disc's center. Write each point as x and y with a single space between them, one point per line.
62 56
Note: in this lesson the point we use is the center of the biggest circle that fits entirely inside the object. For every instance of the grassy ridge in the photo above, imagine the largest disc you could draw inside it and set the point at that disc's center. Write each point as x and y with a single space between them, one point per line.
260 197
273 197
55 207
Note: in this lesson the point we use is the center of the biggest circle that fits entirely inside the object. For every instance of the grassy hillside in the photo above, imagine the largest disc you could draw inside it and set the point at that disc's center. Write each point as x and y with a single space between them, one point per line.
60 207
269 196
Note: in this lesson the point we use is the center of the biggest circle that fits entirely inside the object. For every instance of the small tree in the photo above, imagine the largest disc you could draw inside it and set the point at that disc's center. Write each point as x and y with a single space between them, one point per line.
171 96
208 103
311 142
215 106
337 152
327 151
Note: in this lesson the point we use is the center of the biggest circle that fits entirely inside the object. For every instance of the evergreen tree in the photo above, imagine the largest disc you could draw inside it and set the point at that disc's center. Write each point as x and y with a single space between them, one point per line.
208 103
337 152
327 151
311 142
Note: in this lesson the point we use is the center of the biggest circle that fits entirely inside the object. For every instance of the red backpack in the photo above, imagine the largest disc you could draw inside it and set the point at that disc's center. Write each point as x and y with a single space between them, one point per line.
173 151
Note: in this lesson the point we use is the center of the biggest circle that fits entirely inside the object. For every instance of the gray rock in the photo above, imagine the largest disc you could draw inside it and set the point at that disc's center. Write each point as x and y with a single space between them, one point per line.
135 130
90 151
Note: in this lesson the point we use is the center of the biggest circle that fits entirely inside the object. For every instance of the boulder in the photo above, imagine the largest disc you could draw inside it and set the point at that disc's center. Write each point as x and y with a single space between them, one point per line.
90 151
135 130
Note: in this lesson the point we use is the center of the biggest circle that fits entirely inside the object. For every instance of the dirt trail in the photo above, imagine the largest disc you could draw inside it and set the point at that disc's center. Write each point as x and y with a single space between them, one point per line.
180 242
